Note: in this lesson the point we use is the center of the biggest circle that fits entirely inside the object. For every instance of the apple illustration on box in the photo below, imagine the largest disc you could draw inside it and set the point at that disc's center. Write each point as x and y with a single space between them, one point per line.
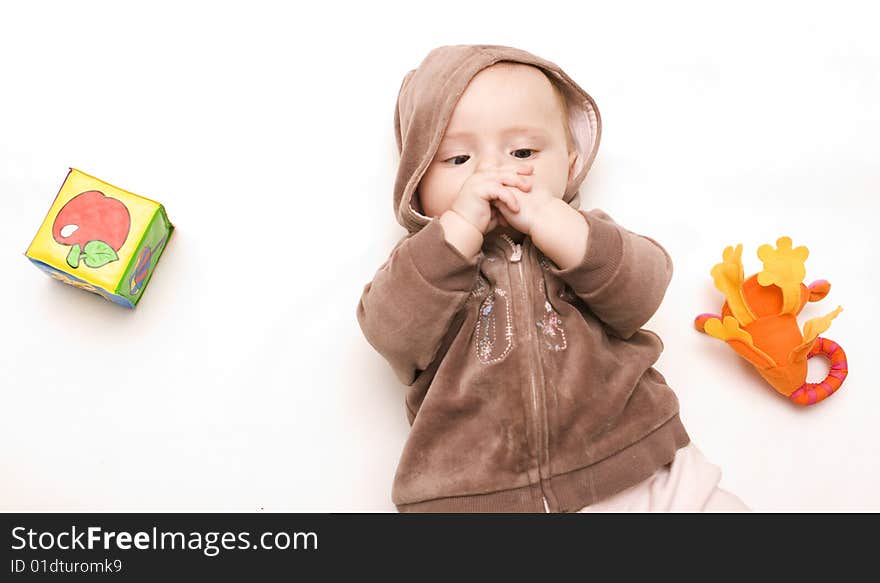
94 225
101 238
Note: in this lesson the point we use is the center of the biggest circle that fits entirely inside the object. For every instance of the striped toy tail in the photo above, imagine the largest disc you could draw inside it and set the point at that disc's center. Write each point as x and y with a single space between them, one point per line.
812 393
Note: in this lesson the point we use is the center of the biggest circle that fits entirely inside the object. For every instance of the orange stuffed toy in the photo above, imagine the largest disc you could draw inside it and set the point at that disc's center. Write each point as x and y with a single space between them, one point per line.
759 320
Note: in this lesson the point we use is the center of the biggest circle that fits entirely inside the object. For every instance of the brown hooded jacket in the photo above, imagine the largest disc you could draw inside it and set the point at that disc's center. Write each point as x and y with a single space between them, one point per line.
526 382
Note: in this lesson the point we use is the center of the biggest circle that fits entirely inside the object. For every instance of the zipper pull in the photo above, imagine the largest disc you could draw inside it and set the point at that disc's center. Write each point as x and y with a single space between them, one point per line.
517 248
517 253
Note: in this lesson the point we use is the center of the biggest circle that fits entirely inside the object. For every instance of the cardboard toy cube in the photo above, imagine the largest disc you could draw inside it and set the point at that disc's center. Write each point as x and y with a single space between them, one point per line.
101 238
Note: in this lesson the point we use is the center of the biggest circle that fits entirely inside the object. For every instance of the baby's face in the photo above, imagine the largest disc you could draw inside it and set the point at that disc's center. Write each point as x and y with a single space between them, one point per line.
509 113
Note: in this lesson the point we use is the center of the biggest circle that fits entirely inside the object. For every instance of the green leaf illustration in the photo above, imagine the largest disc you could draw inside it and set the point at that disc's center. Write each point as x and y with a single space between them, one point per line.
73 256
98 253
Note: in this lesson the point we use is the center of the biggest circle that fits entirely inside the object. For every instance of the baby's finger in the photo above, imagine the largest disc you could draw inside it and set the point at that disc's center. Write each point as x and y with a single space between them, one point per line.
517 181
493 196
506 196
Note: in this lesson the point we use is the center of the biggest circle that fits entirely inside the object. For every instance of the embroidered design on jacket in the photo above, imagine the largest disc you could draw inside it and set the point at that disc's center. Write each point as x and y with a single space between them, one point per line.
493 330
551 326
550 323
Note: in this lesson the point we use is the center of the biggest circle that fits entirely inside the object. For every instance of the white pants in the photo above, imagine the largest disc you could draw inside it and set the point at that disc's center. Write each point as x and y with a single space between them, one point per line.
688 484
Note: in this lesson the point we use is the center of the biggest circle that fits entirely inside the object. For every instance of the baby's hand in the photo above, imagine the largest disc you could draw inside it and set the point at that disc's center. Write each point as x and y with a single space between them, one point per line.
528 211
474 201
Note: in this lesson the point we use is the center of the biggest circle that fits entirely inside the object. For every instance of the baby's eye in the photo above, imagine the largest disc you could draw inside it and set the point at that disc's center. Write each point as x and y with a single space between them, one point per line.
523 150
456 158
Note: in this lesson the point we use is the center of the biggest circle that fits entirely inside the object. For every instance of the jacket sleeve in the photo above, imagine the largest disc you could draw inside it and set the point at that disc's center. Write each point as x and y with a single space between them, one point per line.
622 277
406 311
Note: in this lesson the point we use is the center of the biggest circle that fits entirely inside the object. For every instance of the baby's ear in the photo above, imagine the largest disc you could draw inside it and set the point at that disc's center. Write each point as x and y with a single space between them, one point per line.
572 158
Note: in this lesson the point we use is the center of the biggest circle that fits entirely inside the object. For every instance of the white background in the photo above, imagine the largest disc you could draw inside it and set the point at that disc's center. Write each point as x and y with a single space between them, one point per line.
242 381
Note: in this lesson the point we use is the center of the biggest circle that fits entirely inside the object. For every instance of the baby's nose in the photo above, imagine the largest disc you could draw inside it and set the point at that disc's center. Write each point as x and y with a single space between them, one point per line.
490 163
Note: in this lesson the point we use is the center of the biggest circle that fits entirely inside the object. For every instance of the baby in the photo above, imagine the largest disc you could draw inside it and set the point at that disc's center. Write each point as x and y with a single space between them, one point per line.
513 317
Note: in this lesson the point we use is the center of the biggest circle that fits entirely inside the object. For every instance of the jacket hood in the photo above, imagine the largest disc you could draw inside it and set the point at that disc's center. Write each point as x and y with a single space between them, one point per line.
428 96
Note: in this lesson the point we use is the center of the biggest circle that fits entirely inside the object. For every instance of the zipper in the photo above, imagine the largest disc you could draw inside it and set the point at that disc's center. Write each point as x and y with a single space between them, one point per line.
534 358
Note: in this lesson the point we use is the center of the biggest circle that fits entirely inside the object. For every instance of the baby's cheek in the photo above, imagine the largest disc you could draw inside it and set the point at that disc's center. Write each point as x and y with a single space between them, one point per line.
551 180
436 196
546 187
426 203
